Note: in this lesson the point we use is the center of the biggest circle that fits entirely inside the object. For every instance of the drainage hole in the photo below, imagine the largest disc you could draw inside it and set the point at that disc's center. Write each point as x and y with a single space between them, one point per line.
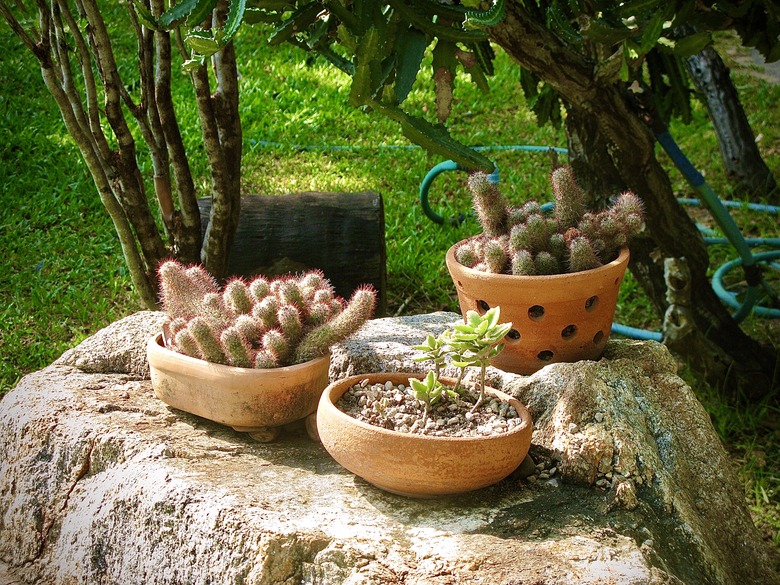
591 303
513 335
483 307
545 355
569 331
536 312
598 337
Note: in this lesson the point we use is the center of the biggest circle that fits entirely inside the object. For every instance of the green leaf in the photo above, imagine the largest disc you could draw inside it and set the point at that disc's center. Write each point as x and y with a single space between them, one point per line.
559 23
255 16
345 16
337 60
201 12
485 56
496 350
176 13
192 64
274 4
234 18
318 33
367 69
601 32
444 56
444 32
500 332
435 139
652 32
145 16
202 43
692 44
493 315
490 17
419 387
530 84
297 22
410 46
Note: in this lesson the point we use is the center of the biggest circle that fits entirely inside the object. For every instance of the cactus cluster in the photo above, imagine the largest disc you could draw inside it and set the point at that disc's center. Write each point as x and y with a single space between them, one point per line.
262 323
526 241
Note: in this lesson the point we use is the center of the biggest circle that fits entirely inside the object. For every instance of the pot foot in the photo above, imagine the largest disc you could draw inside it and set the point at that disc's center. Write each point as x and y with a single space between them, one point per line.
263 434
311 427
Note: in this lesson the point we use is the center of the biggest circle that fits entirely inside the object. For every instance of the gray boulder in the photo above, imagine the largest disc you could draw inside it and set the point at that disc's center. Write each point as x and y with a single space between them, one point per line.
100 482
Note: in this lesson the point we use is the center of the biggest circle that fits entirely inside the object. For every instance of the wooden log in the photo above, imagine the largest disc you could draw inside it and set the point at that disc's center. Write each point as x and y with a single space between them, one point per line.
342 234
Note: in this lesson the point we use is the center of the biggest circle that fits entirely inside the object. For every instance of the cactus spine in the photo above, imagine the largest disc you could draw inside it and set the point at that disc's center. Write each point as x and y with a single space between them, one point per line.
262 323
489 204
526 241
318 340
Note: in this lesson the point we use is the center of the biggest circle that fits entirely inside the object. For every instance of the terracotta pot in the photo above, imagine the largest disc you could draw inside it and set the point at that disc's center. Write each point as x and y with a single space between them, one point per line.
556 318
418 465
257 401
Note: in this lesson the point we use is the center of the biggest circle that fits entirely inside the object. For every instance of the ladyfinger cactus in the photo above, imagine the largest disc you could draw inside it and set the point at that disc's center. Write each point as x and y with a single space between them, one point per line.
489 204
263 323
357 311
568 240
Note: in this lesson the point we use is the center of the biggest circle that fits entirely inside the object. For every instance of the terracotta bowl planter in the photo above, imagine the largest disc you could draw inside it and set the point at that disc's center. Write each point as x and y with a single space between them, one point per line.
418 465
557 318
256 401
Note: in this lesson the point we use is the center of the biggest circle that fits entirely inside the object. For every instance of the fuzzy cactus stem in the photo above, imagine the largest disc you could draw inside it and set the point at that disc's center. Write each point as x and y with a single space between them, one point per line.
262 323
570 240
358 311
489 204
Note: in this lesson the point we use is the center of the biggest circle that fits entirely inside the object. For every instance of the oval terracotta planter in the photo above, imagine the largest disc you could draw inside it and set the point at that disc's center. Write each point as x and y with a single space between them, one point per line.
418 465
556 318
249 400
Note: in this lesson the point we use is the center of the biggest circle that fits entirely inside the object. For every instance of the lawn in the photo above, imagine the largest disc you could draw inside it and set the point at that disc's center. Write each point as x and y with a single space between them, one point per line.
63 276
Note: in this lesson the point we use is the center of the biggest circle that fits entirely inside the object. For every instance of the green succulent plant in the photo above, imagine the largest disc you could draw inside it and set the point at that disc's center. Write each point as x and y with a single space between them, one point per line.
257 324
472 343
526 241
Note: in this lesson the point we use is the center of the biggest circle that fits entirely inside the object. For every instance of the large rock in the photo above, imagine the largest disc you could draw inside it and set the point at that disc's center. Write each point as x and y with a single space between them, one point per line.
102 483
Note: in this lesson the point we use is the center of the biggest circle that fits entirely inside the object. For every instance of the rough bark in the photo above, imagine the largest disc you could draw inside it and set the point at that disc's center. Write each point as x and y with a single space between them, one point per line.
746 170
614 150
104 117
223 139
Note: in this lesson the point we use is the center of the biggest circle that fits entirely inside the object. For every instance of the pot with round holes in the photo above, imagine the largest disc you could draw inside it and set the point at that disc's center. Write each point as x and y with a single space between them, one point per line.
555 318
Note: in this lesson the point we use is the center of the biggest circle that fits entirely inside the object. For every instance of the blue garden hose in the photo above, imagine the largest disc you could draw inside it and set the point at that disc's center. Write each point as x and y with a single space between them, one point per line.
747 260
750 262
449 165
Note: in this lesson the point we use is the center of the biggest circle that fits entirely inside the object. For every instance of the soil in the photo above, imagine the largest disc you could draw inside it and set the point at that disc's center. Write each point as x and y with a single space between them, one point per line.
394 407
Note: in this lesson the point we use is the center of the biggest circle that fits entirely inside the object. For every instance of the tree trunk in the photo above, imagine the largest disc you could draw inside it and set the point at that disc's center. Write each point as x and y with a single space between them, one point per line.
614 151
76 56
742 160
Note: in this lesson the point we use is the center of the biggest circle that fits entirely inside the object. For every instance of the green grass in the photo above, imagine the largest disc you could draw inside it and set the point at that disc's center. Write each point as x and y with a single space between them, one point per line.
63 276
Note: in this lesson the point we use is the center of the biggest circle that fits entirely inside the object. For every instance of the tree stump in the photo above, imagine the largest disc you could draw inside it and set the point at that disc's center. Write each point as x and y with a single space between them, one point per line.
342 234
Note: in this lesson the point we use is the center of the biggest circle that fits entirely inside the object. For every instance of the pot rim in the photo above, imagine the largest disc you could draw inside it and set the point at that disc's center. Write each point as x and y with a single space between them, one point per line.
156 344
348 382
451 261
